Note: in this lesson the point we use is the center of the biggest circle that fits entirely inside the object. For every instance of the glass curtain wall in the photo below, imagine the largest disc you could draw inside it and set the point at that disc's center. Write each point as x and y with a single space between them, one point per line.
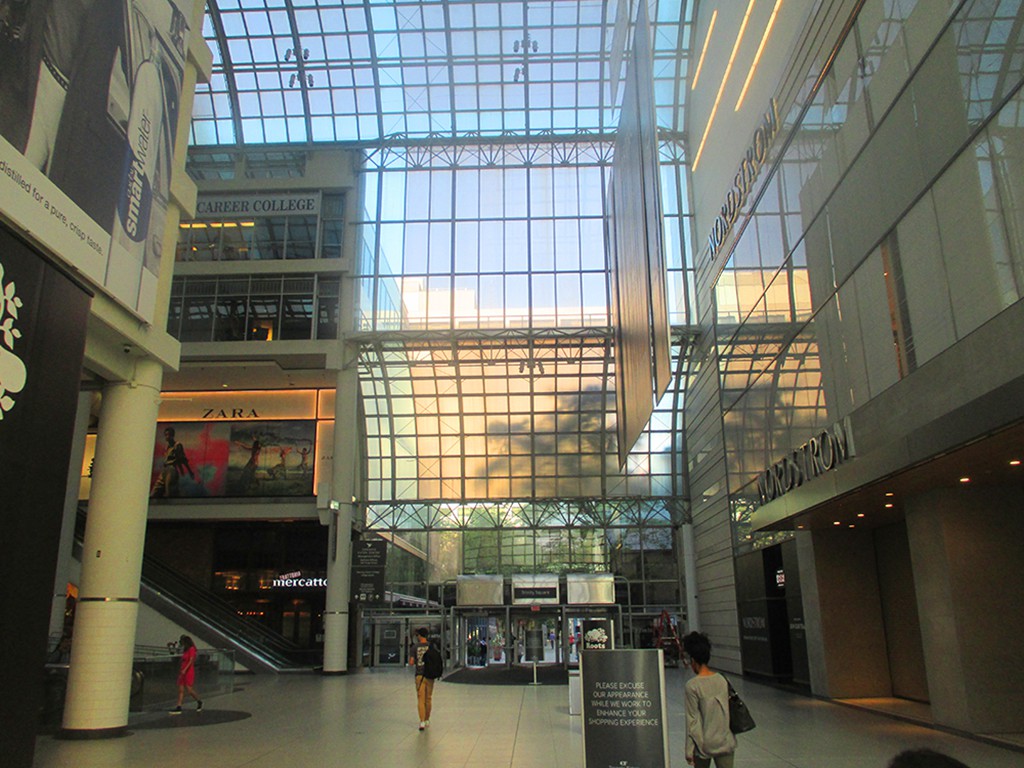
488 386
496 252
643 556
817 314
340 71
485 341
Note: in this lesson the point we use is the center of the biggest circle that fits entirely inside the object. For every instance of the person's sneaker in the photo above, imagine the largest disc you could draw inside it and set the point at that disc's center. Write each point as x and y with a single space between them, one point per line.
199 706
175 711
423 724
426 723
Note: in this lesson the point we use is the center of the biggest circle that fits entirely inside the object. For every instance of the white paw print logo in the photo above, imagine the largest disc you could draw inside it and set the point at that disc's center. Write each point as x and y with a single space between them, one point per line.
12 369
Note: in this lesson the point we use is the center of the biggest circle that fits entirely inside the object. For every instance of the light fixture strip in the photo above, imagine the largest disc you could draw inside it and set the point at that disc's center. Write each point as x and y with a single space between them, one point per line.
757 56
704 50
725 79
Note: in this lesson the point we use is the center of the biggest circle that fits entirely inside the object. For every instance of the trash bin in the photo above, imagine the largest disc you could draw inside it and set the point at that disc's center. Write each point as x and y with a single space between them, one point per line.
575 692
138 686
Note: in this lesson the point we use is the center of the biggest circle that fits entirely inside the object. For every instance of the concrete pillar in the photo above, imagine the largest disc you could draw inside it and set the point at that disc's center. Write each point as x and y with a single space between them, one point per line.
99 682
339 551
689 547
965 547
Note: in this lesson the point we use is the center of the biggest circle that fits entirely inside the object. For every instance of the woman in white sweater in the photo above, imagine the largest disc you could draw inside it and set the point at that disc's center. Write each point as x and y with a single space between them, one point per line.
707 708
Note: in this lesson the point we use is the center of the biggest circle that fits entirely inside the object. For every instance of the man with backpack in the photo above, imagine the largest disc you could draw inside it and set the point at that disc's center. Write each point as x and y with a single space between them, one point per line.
429 667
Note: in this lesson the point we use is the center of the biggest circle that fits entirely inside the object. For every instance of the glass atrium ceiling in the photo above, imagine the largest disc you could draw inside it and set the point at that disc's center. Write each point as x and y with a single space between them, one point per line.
488 130
298 71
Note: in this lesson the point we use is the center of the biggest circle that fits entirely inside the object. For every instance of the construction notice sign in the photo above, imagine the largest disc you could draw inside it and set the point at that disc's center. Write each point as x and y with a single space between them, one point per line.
624 709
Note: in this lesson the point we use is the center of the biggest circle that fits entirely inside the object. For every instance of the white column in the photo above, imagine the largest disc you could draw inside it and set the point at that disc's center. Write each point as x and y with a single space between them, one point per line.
99 682
339 550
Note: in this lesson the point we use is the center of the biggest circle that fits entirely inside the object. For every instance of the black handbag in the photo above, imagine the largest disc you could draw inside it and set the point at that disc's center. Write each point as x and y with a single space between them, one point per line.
740 719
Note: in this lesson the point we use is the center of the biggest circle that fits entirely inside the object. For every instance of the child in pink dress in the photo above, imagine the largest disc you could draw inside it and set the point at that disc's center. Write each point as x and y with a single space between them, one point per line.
187 675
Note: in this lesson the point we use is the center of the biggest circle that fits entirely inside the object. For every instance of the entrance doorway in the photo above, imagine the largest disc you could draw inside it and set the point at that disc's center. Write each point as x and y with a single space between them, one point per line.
510 638
537 628
297 622
391 638
389 642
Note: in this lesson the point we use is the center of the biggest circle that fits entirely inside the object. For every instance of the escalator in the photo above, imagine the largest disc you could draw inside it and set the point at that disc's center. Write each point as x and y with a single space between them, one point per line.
207 616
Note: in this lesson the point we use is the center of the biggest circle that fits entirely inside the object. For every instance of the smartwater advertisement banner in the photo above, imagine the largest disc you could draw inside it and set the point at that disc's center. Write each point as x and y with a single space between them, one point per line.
624 709
89 99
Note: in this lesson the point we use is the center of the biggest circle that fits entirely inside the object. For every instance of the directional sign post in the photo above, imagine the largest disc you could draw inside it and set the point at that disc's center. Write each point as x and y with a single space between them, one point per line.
369 559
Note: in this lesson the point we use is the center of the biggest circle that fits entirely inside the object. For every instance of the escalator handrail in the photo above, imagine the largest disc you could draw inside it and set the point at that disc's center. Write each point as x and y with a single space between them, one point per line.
215 611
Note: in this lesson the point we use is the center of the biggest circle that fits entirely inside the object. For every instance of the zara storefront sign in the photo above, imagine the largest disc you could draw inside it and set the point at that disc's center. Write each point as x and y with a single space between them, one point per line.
750 166
232 413
821 453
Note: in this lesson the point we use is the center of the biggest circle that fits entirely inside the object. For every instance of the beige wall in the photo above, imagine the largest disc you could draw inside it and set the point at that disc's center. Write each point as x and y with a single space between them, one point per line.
968 564
899 612
843 614
732 129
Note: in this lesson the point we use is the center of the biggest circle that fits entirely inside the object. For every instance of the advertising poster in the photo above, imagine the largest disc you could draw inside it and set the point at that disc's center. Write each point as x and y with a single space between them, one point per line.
597 635
624 709
40 310
252 458
89 100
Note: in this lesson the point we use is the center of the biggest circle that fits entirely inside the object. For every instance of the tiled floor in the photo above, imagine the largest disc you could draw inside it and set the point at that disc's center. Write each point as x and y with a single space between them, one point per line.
369 719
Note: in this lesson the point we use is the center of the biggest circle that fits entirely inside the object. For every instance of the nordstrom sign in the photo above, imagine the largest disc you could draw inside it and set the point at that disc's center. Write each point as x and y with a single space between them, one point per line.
818 455
750 166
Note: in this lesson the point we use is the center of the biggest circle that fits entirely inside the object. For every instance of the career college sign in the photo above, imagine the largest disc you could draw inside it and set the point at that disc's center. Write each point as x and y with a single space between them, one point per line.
225 206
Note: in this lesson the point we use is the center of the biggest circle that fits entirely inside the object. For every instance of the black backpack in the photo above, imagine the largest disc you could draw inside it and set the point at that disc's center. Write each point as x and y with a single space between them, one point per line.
433 664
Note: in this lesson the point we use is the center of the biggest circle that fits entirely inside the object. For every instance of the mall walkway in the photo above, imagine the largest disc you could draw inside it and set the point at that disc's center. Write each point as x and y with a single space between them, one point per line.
369 719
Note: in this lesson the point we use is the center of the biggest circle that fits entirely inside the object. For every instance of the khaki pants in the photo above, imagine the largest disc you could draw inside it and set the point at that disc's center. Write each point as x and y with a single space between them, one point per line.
424 693
721 761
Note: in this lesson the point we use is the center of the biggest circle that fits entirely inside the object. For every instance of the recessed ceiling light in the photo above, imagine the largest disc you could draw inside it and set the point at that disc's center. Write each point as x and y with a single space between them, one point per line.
965 479
860 514
888 506
799 526
836 523
852 525
1014 462
890 493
